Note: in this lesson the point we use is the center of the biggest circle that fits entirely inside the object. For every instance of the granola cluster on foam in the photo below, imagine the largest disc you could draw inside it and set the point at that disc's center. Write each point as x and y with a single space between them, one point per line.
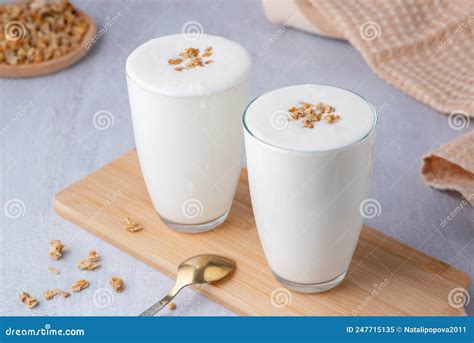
191 59
311 114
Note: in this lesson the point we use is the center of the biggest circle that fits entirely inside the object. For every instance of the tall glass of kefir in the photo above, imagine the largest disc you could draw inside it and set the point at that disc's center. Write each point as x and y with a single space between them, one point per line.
187 95
309 157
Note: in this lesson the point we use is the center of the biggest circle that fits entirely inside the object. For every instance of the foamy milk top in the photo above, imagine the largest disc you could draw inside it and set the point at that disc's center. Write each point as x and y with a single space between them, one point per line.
148 65
267 118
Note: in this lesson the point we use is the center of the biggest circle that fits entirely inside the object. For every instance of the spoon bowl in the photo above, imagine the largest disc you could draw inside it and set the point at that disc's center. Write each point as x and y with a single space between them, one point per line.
205 268
198 269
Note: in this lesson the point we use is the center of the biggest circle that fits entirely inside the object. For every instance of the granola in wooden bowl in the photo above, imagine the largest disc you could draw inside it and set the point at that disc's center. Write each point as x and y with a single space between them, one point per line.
40 37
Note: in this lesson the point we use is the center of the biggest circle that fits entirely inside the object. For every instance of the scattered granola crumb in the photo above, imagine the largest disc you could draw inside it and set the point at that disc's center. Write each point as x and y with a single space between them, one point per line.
87 265
311 114
117 284
191 59
56 249
64 294
93 256
28 300
131 226
53 270
172 306
50 294
79 285
91 263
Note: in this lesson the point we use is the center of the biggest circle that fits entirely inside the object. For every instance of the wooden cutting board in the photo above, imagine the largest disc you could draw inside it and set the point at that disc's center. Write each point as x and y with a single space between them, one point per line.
386 277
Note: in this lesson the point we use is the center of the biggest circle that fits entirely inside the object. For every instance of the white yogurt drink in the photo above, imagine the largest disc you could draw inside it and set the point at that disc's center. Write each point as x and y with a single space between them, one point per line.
307 184
187 97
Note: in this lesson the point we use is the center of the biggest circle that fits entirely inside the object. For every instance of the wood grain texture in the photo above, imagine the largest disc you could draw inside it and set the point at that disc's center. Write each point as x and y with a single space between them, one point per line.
386 277
55 64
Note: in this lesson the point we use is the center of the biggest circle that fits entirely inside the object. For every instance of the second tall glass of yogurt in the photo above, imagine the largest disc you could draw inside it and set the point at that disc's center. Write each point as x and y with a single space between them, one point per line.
187 98
309 158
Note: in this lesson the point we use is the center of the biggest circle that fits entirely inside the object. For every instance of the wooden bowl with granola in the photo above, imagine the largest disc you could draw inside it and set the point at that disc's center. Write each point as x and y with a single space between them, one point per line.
40 37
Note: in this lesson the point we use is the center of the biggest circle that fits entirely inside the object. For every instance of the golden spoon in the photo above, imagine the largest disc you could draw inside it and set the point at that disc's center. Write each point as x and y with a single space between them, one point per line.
198 269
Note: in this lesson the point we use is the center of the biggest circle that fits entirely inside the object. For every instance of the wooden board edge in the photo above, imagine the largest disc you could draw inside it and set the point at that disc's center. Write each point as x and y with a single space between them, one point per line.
462 277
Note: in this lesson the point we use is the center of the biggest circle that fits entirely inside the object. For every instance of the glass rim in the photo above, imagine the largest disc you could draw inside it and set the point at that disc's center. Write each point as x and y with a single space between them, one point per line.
369 133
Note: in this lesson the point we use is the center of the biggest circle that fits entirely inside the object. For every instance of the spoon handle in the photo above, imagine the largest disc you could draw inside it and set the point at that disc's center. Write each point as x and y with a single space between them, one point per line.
152 310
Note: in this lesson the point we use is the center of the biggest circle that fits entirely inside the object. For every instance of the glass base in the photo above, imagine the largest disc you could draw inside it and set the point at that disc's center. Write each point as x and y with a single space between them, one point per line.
308 287
196 228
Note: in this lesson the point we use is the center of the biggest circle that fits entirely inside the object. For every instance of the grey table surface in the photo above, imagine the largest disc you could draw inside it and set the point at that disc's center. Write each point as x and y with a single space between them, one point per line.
48 141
